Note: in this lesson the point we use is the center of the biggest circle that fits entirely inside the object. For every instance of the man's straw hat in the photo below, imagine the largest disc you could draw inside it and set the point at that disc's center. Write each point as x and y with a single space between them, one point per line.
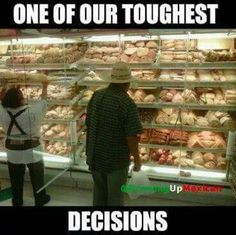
121 73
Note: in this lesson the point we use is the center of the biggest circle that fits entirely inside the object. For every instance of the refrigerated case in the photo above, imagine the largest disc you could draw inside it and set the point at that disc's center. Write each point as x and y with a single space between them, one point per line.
231 155
184 86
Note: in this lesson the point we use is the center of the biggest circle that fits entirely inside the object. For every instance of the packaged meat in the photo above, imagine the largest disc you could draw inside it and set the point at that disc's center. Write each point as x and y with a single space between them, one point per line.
209 157
149 98
197 158
142 51
202 121
210 165
151 44
178 99
206 139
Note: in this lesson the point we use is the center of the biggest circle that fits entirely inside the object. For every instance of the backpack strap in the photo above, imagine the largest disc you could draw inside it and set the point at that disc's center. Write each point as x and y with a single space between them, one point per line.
14 122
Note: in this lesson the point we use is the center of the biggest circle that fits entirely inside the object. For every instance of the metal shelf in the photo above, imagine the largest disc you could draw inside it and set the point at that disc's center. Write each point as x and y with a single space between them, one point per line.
171 147
187 128
51 102
233 187
92 82
206 150
178 106
184 84
233 173
65 102
63 80
51 139
233 163
65 121
38 66
58 121
156 83
182 168
160 65
204 65
72 138
156 65
187 106
109 66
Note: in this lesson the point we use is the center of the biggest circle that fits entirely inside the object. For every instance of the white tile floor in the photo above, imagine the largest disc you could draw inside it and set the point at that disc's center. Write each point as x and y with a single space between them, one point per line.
72 196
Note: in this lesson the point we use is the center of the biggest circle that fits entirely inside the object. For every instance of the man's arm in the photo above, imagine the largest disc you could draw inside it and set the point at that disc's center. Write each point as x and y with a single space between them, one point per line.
133 128
132 142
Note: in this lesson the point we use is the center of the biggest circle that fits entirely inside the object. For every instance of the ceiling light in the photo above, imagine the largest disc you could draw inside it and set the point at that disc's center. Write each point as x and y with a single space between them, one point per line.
107 38
43 40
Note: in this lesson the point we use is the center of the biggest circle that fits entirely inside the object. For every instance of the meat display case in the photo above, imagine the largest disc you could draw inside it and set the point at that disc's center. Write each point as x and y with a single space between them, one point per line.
231 155
189 76
61 127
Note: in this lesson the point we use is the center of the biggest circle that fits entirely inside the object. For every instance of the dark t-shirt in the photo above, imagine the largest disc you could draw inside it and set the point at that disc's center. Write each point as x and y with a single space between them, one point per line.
111 116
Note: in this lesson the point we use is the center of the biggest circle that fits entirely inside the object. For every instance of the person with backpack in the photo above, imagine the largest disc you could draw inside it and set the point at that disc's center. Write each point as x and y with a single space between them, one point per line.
21 124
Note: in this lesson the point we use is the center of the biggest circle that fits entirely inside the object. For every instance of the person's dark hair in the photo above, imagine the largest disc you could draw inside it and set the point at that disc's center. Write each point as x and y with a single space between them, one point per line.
13 98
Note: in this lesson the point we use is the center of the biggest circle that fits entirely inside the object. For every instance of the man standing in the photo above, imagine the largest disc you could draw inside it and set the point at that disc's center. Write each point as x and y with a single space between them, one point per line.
113 126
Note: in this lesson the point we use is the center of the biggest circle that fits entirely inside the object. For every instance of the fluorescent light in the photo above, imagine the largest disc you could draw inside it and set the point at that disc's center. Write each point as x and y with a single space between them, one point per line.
5 43
138 38
192 35
107 38
122 37
194 173
3 154
43 40
57 159
210 35
172 37
206 174
53 158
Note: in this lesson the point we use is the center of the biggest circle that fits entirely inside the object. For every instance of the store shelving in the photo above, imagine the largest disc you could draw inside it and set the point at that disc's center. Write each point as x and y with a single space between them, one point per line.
203 65
157 65
190 106
52 102
64 121
56 80
185 84
69 73
157 83
52 139
232 162
168 172
183 148
170 84
178 106
233 178
233 169
57 74
70 102
187 128
28 67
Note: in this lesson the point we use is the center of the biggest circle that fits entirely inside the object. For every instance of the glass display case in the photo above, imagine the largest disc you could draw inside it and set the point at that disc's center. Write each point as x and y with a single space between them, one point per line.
184 86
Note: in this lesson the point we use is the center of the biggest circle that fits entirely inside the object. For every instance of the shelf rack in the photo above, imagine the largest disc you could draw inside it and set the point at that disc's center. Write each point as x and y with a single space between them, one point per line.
206 65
